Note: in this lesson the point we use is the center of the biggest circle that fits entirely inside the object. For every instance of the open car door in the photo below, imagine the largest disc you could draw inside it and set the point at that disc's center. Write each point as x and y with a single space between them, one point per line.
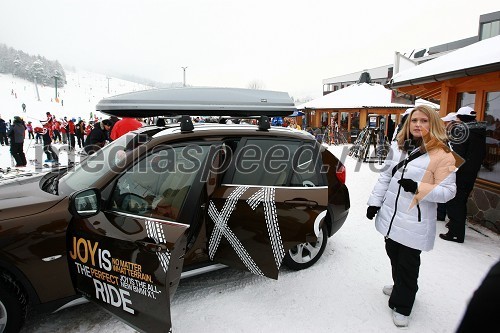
255 217
129 265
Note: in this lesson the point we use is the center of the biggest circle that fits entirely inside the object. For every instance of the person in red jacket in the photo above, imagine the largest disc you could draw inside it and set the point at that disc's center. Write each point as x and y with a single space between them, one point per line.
71 133
124 126
56 129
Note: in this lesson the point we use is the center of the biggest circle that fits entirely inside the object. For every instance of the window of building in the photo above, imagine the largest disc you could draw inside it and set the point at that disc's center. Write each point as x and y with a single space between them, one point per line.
490 29
490 169
324 119
344 119
466 99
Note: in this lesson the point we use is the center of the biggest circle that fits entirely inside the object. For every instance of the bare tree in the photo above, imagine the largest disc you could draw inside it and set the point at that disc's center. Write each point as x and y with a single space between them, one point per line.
256 84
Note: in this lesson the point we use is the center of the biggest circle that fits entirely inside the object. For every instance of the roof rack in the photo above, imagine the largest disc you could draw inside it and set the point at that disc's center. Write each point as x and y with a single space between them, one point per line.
264 123
186 124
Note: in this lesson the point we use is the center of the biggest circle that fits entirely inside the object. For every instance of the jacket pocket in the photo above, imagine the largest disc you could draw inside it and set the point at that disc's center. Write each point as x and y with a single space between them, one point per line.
419 213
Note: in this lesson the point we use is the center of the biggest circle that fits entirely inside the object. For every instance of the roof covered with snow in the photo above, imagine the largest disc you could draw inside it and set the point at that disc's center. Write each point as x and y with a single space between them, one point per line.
361 95
478 58
422 101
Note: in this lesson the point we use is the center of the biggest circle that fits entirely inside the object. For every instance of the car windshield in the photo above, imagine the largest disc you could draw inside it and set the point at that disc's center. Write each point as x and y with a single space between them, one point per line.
104 160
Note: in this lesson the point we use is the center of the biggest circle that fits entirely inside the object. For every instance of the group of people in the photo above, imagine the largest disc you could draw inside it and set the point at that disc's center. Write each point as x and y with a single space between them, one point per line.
91 137
424 167
109 130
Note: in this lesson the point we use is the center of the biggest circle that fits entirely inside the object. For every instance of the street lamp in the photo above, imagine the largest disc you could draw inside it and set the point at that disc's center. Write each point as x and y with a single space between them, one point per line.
184 72
56 76
108 78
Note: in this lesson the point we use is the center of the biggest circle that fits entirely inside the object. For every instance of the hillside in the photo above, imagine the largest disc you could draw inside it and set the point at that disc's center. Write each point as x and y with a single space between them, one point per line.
76 99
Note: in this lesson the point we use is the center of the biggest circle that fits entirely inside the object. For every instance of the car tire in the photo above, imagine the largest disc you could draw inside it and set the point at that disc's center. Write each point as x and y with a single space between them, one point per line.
305 255
13 304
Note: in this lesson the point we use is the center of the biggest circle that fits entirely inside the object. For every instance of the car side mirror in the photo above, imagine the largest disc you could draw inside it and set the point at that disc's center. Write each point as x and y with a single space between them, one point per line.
85 203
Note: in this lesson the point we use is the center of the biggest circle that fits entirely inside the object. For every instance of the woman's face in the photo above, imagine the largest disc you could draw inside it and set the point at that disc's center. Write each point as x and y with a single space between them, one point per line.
419 124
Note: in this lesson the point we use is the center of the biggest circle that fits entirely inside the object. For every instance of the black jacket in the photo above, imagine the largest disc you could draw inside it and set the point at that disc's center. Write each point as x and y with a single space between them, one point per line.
47 140
97 136
473 150
3 126
17 132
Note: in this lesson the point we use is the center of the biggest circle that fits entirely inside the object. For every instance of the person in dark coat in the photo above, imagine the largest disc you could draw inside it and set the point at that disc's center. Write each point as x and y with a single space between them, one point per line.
98 136
473 150
3 132
482 311
16 134
80 133
160 122
47 144
391 127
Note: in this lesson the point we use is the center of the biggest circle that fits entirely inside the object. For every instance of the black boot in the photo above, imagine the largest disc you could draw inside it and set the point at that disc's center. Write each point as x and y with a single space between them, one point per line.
451 238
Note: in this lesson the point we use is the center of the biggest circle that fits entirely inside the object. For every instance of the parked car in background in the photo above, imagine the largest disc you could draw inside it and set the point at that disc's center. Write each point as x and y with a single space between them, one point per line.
161 203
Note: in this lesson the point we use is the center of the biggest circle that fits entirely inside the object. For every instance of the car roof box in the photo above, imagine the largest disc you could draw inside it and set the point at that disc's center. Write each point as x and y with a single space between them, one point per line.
199 102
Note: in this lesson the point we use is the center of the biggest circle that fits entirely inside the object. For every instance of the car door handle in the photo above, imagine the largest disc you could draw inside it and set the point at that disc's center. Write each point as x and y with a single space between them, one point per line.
152 247
302 202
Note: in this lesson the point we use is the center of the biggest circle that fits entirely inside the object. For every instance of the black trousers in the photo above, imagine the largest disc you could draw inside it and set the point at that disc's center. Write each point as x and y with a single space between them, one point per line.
71 141
4 139
405 264
80 140
16 149
441 211
456 209
50 153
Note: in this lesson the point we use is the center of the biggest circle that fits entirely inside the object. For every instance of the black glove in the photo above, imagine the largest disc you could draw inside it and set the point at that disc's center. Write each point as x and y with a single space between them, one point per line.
408 185
371 211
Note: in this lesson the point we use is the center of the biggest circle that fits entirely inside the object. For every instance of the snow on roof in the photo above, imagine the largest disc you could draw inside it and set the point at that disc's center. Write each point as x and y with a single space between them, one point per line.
360 95
483 53
421 101
375 73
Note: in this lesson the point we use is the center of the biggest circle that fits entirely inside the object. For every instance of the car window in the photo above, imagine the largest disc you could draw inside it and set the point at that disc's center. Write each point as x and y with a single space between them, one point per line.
305 171
103 161
157 185
275 163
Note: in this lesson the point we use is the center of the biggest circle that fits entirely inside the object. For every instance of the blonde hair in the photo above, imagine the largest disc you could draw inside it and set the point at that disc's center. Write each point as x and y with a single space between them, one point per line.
435 138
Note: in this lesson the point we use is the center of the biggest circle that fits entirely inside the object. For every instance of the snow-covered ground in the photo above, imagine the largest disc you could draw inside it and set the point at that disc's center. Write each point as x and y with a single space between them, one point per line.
341 293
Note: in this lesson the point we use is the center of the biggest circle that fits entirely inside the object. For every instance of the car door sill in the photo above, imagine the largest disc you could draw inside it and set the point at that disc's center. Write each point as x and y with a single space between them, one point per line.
201 270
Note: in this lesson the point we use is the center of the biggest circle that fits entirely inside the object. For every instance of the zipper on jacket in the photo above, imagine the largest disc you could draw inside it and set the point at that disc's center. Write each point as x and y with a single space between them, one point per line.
396 202
419 213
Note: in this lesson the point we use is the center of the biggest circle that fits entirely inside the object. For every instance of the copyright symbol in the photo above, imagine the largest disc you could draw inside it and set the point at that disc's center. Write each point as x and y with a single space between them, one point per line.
457 132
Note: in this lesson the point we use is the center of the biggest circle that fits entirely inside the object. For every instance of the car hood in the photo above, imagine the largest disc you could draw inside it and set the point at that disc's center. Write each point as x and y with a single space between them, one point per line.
21 196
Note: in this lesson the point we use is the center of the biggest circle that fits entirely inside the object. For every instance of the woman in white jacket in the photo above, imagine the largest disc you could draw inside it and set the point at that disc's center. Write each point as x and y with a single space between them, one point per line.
418 173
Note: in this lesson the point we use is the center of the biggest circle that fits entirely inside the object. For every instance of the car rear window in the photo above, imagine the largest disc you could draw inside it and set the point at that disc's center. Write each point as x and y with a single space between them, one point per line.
267 162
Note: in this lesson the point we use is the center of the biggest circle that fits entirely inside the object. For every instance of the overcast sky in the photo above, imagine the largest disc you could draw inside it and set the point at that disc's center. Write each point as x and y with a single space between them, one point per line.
287 45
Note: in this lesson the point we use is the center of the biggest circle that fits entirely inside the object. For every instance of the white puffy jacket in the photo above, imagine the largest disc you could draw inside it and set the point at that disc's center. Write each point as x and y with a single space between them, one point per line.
407 218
